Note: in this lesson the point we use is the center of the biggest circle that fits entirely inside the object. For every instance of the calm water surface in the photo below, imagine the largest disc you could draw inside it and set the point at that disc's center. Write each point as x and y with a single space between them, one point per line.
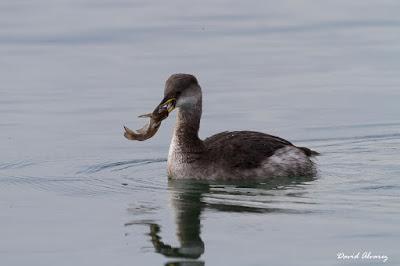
73 191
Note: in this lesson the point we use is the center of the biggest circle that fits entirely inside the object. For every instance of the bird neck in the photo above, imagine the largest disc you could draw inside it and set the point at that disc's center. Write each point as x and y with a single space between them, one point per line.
186 138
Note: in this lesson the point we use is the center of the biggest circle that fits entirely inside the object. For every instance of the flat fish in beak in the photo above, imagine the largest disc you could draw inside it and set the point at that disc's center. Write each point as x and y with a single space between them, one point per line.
150 129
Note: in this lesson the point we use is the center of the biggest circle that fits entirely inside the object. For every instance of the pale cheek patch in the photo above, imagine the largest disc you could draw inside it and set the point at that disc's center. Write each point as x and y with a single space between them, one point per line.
187 100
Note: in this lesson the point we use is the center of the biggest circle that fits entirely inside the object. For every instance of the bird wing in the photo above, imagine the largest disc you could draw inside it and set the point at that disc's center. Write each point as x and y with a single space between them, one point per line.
243 149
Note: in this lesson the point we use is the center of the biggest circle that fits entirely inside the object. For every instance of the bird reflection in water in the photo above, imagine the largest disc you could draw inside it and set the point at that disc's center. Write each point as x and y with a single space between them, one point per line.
188 201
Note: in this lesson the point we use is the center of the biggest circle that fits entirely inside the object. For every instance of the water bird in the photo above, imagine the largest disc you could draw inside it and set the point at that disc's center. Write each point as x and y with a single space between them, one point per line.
229 155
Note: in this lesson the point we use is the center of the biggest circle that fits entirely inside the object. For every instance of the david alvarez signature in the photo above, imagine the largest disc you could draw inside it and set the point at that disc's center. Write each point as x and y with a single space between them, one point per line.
362 255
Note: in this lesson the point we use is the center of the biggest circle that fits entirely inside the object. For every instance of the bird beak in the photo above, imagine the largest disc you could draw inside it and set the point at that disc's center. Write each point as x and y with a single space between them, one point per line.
162 110
167 104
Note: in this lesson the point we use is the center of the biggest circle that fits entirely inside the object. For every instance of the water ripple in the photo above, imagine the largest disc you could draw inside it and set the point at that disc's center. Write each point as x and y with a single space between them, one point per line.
117 166
66 185
355 138
15 165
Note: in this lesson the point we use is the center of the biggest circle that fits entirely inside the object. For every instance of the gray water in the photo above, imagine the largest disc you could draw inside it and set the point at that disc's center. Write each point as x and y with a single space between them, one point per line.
321 74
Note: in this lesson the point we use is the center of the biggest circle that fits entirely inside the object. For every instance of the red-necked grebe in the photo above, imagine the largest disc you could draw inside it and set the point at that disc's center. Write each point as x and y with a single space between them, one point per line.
227 155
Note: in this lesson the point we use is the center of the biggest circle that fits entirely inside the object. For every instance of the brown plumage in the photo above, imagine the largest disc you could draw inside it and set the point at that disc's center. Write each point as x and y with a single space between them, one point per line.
243 149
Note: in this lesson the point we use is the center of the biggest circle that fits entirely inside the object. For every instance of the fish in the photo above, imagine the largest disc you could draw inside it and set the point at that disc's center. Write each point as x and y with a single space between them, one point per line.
149 129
